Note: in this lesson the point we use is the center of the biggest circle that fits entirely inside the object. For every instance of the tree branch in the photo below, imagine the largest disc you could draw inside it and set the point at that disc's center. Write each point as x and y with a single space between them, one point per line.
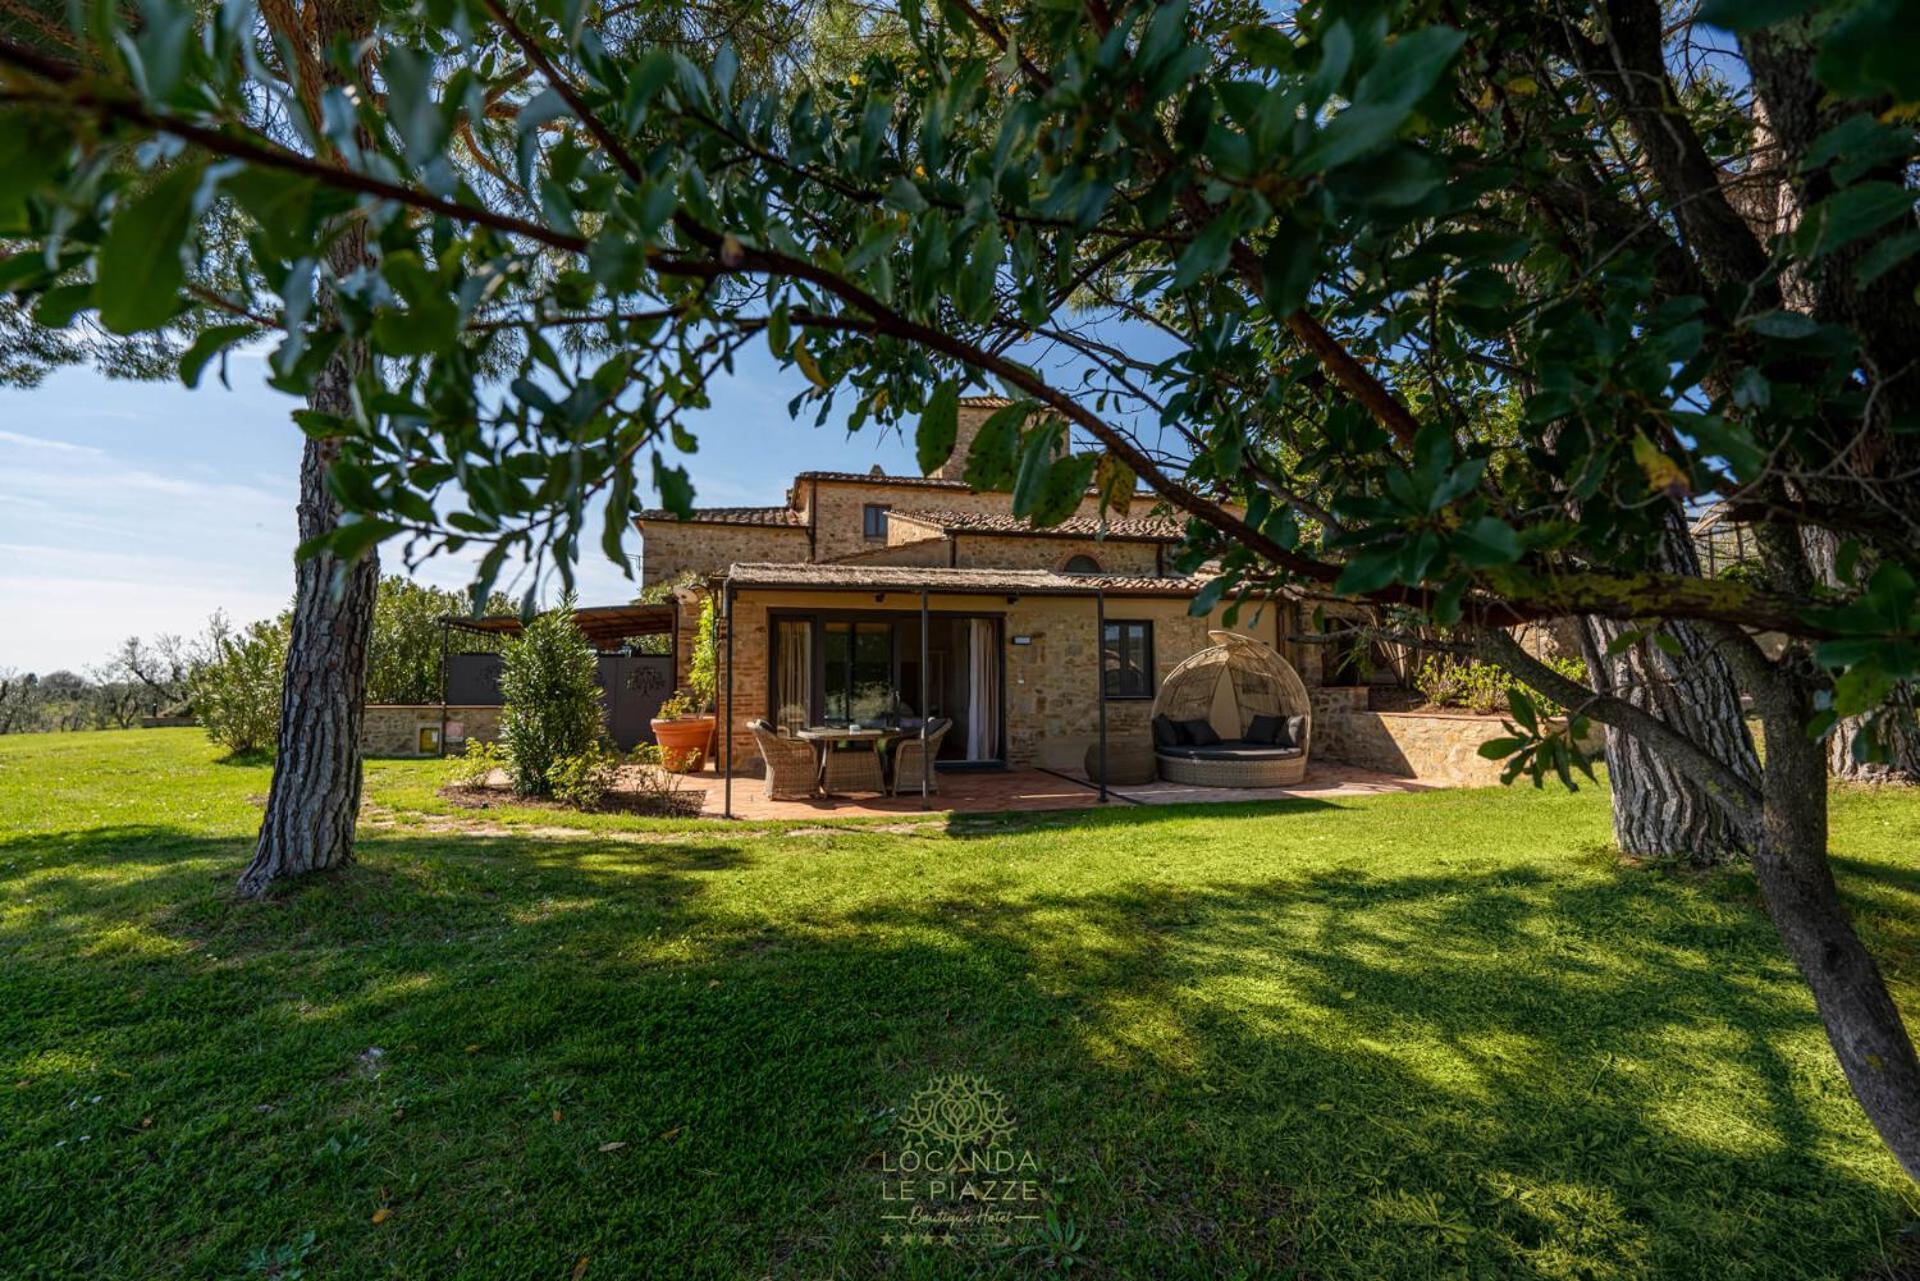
1733 793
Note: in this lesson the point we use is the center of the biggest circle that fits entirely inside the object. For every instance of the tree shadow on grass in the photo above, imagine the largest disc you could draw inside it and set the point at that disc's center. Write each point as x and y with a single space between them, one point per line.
1485 1074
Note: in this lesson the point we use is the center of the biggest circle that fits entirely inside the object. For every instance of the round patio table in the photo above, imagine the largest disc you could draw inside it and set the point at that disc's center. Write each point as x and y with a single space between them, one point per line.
843 772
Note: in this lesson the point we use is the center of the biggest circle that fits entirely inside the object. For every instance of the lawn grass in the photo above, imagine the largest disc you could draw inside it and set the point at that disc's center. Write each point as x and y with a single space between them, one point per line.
1440 1035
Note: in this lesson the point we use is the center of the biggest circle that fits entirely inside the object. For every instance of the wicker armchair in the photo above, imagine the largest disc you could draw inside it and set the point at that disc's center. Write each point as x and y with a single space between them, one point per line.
911 759
790 763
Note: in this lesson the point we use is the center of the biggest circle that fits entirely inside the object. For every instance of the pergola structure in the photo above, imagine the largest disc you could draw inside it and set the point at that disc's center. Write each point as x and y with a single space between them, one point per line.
924 584
606 627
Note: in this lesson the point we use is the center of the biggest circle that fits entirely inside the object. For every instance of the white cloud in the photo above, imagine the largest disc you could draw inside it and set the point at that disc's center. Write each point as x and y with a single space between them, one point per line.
41 442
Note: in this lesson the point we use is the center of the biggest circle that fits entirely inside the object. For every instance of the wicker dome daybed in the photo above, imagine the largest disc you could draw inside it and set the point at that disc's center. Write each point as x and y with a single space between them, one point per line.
1240 692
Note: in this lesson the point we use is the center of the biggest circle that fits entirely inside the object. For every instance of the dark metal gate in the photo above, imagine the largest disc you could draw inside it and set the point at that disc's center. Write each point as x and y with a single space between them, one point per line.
632 687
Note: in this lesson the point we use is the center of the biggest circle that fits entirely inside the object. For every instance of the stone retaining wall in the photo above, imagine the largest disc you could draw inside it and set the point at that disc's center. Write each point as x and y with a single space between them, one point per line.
1442 748
394 729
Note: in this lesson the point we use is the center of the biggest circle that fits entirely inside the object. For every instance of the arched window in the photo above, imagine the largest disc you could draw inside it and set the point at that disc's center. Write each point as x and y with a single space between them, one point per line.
1080 565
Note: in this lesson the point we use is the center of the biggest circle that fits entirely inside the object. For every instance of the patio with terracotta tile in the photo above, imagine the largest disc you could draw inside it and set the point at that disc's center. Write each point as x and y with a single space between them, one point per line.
996 791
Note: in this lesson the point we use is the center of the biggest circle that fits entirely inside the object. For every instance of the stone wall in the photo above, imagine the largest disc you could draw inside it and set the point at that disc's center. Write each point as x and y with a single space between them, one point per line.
1442 748
927 552
669 548
393 729
987 551
838 507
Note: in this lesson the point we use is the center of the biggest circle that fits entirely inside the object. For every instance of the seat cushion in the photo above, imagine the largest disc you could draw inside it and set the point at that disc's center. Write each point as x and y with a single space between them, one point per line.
1164 733
1197 733
1267 729
1233 750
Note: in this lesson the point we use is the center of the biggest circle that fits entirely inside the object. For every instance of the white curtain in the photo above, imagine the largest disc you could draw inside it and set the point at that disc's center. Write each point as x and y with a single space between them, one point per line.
983 691
794 693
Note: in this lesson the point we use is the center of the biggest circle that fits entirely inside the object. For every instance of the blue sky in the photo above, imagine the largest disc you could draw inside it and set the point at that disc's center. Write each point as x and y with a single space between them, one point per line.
140 508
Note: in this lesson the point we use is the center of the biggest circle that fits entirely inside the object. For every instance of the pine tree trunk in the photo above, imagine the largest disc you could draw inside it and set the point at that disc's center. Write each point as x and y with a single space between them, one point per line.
314 802
1661 810
1899 732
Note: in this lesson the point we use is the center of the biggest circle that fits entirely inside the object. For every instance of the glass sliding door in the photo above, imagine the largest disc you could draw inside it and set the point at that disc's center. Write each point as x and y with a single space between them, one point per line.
857 684
865 670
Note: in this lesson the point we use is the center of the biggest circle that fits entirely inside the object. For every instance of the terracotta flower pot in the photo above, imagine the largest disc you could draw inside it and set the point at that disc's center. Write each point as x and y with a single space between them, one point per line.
684 742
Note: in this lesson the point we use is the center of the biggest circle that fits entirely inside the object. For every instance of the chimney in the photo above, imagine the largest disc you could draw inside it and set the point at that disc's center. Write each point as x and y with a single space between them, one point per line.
972 416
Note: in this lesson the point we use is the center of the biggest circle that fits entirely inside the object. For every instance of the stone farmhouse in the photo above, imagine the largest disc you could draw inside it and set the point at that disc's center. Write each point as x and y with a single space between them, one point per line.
825 597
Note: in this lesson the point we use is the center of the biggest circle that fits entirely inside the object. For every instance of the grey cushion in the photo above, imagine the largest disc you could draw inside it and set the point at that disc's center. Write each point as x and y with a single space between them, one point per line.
1164 734
1233 750
1296 732
1197 733
1267 729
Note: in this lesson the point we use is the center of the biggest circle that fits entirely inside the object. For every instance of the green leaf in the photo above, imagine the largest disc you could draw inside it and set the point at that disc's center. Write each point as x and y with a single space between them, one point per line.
991 456
1486 542
613 530
207 345
1384 98
1788 326
280 205
1874 49
1209 596
1289 268
1207 252
903 195
1368 572
1036 461
1847 215
1521 705
676 491
1885 256
1064 490
140 269
58 306
1747 15
421 123
1115 481
1498 749
939 427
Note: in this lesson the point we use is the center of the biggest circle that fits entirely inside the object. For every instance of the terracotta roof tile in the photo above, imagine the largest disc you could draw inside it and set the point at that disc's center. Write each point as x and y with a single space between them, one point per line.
773 516
881 478
1157 529
1035 582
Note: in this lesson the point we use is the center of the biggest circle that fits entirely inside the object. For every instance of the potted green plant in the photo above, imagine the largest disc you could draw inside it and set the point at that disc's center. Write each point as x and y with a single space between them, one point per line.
685 725
683 732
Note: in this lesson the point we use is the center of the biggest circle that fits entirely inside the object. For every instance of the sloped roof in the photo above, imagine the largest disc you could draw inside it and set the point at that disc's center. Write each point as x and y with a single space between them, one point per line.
1154 529
604 626
911 578
882 478
770 516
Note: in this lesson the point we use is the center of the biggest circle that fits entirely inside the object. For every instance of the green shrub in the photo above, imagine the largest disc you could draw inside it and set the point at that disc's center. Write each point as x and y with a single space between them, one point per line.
236 691
551 700
477 764
583 779
703 664
1446 681
657 786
